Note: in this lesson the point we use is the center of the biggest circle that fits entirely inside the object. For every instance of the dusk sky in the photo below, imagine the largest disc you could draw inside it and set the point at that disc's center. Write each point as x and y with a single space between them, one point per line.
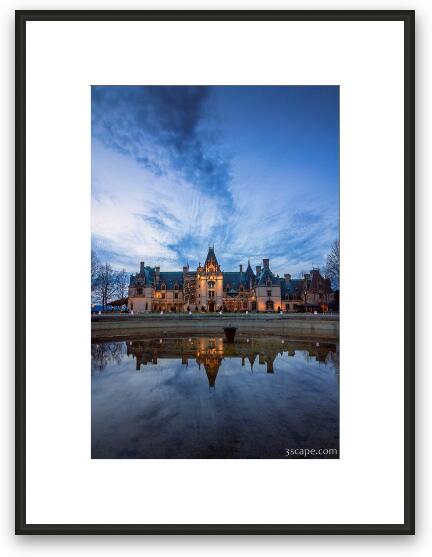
253 171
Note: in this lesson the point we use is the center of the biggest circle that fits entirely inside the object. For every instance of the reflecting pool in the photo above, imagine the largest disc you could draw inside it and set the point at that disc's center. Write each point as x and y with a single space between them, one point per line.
201 397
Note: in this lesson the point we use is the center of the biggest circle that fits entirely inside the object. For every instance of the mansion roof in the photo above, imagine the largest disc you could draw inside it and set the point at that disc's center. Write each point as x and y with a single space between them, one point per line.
233 281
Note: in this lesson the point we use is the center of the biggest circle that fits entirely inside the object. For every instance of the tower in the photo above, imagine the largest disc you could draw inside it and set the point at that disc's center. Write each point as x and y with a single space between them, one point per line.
210 283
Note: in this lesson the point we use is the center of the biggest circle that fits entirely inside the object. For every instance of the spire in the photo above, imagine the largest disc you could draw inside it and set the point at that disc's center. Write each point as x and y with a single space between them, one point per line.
211 263
249 275
249 268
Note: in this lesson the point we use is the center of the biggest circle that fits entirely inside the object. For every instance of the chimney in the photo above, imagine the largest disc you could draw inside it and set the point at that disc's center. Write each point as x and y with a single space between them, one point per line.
142 267
241 268
307 276
185 269
258 269
157 271
287 276
266 263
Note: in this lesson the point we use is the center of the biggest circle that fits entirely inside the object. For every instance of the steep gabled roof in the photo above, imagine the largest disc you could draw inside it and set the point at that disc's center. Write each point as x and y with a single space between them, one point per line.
170 278
211 258
265 275
146 278
234 280
249 274
293 287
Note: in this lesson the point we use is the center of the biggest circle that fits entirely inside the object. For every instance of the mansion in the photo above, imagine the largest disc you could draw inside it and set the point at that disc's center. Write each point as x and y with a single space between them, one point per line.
210 289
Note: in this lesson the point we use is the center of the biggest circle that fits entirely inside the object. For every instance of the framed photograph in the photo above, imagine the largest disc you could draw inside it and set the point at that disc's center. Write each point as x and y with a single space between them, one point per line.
214 272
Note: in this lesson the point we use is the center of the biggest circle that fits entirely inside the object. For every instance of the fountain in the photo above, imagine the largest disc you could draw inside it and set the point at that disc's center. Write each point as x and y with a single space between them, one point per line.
230 332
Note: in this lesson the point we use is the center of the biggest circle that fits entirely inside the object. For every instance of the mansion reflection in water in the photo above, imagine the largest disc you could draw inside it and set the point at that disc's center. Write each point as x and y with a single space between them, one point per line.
209 352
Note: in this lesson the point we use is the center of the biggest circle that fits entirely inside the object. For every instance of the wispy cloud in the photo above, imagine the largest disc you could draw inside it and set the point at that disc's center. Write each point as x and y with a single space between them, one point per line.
164 129
169 178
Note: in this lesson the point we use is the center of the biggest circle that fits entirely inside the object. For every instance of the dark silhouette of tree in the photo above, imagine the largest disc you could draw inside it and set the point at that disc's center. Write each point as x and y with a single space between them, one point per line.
105 284
332 265
95 265
121 283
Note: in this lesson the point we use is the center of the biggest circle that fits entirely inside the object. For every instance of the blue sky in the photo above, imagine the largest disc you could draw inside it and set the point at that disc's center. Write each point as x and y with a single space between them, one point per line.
252 170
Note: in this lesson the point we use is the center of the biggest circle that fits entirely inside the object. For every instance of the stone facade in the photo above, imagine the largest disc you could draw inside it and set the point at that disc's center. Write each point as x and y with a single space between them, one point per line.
210 289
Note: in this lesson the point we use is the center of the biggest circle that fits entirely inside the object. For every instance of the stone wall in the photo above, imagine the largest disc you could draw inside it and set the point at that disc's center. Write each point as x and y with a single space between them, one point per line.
300 326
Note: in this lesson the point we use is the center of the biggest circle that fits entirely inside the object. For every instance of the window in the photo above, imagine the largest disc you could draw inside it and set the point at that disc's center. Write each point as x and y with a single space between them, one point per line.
241 288
163 296
163 287
211 294
176 287
211 284
139 291
287 307
176 295
269 293
269 304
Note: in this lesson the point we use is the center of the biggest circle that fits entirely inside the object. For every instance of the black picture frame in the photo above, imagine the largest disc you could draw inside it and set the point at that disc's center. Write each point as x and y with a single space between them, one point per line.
21 18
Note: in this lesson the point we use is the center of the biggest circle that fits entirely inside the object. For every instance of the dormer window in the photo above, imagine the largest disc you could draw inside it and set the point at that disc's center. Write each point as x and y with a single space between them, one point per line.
163 286
268 282
176 286
241 288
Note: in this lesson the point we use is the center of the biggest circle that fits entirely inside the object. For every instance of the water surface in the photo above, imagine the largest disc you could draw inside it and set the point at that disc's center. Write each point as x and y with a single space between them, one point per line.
200 397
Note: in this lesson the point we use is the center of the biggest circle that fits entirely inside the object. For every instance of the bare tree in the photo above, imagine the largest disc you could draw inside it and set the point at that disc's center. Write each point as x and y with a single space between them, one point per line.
95 265
121 283
105 283
332 265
